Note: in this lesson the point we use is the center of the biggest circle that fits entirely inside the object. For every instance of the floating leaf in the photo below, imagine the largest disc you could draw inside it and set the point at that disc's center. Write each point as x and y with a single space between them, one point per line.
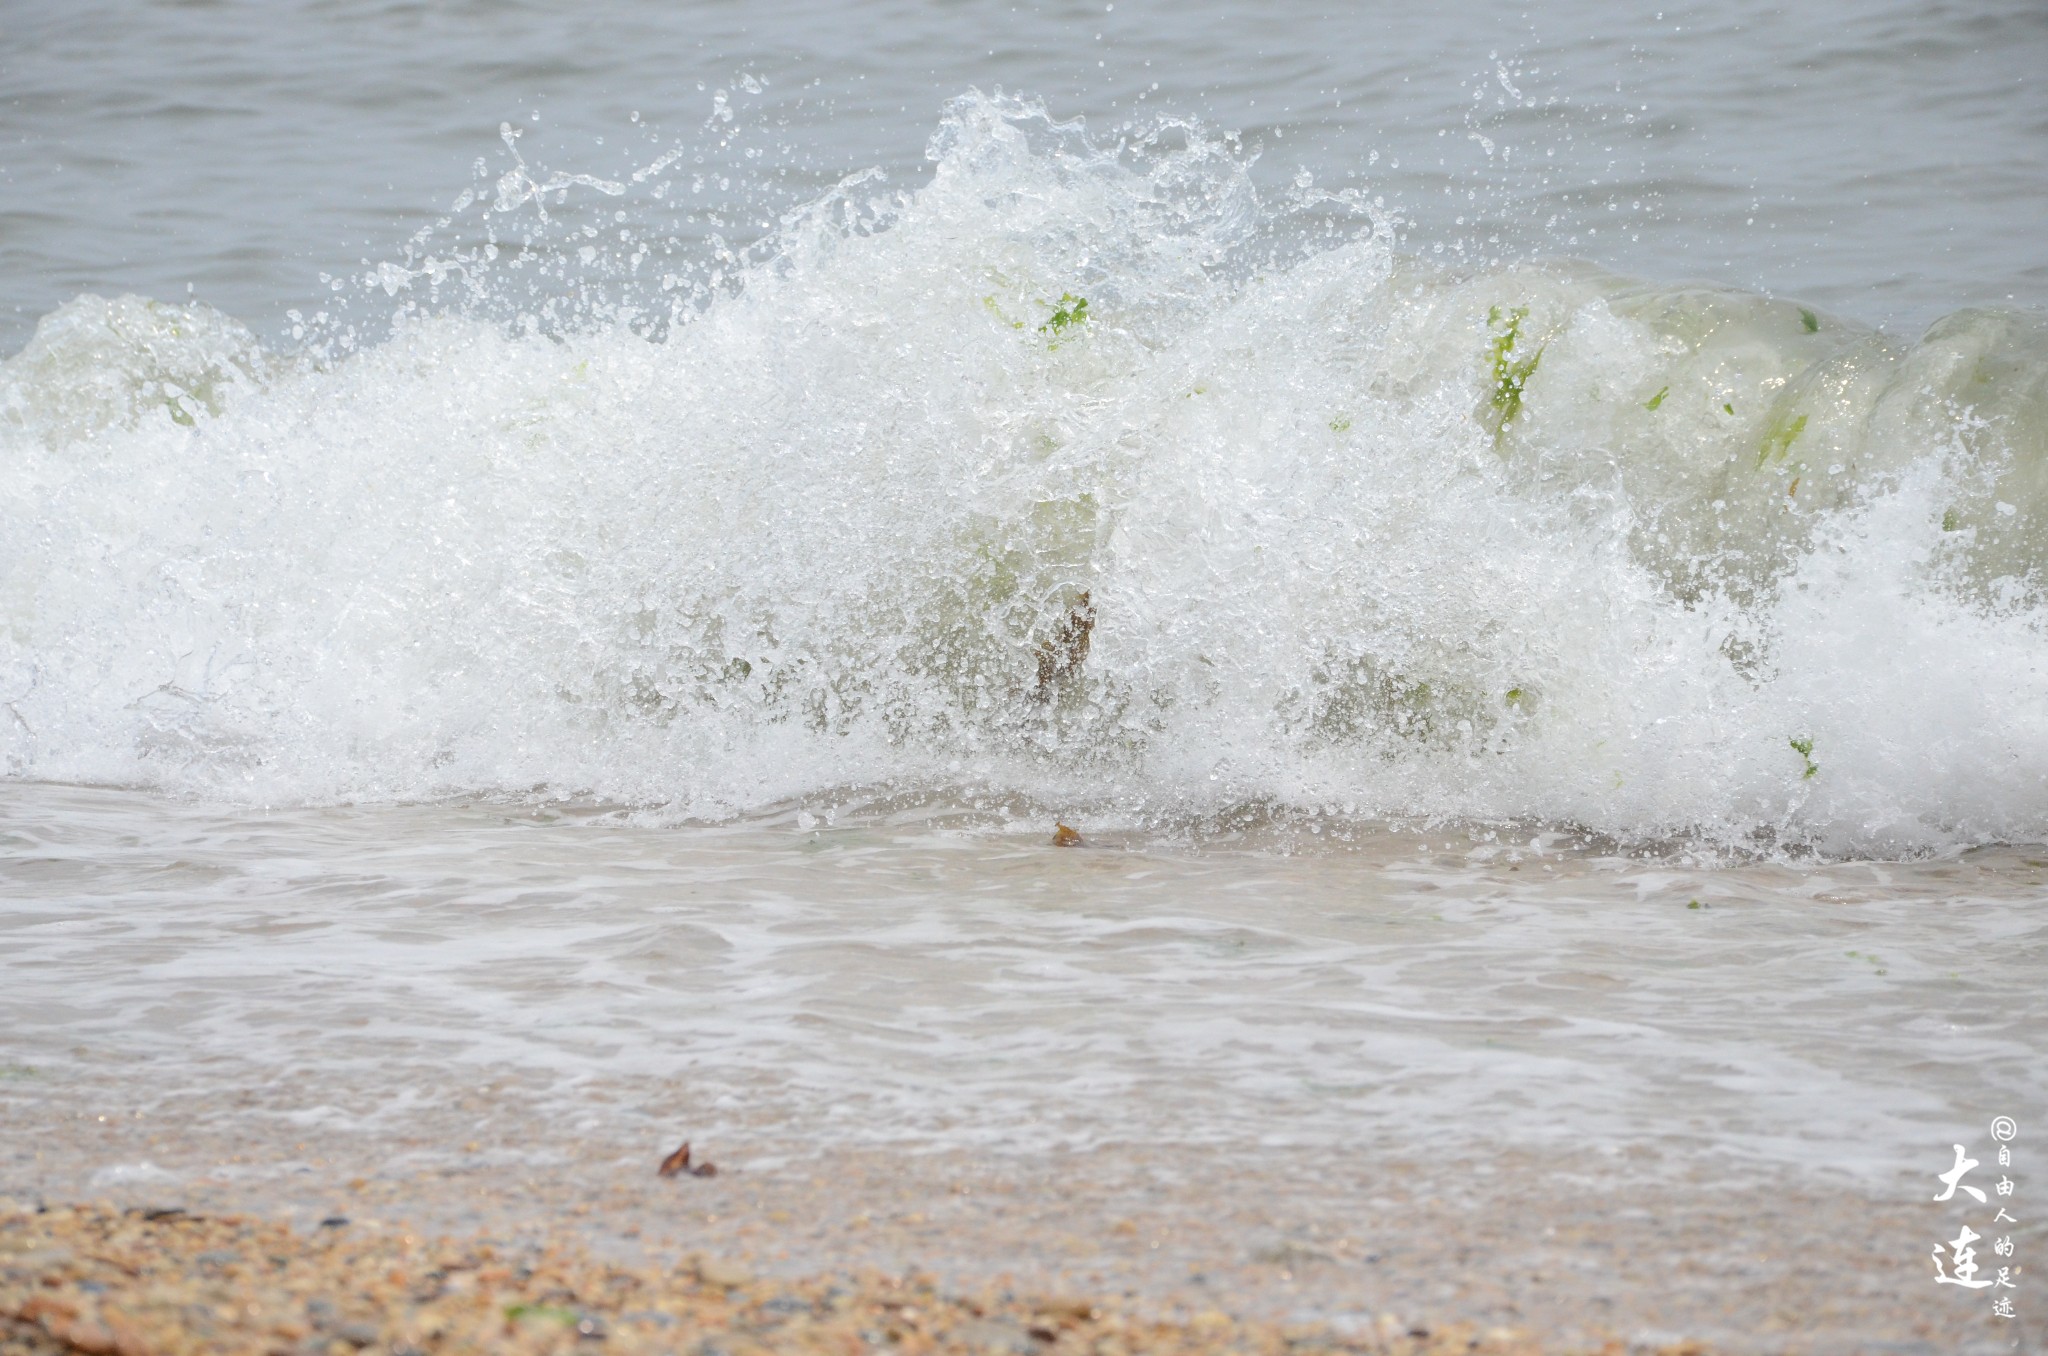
1658 399
1810 320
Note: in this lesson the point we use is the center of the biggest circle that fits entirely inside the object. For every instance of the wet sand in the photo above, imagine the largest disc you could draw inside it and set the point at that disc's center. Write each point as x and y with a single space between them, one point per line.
1176 1248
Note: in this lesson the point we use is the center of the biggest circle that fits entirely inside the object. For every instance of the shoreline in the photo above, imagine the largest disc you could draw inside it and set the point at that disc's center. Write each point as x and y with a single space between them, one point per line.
1533 1251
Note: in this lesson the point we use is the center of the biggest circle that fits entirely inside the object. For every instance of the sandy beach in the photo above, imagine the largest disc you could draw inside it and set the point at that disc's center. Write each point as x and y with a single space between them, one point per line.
93 1280
1167 1248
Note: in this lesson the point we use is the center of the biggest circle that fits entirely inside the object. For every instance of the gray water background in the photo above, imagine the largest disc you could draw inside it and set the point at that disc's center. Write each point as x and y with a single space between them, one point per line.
1888 161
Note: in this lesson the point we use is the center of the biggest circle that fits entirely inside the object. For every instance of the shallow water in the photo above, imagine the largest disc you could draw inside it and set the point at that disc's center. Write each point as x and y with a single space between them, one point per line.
887 980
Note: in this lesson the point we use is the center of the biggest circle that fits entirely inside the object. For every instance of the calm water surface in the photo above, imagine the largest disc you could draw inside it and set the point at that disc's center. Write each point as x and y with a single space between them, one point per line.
1886 159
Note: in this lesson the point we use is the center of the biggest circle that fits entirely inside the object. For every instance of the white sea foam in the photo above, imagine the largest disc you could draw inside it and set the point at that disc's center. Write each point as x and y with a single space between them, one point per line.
334 972
1363 537
144 1173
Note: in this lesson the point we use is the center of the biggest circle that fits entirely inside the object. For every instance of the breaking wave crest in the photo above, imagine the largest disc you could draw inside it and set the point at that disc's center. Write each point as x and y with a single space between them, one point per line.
1082 473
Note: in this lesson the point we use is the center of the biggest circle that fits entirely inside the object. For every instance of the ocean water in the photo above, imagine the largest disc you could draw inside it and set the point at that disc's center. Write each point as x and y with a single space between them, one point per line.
913 976
604 546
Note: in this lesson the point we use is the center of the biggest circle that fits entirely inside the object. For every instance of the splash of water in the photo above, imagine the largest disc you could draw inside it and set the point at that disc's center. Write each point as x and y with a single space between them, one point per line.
1358 535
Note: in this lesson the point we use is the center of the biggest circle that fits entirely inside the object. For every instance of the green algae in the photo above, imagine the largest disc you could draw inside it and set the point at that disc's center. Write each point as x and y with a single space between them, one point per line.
1804 748
1778 440
1510 373
997 311
1069 313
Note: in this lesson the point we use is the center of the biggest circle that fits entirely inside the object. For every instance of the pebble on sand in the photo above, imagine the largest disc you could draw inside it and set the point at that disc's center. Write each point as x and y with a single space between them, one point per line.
96 1280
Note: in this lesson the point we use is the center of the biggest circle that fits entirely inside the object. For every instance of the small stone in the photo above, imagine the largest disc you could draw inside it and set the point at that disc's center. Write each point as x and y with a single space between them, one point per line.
992 1337
1291 1252
717 1271
39 1261
84 1335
